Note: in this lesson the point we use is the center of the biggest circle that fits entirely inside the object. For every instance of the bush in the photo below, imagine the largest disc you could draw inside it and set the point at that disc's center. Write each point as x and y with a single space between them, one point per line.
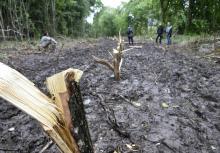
200 26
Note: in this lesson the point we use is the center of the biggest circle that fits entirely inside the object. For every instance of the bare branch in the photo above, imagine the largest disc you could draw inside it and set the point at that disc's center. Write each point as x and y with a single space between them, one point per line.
120 64
48 145
110 54
127 50
138 47
104 62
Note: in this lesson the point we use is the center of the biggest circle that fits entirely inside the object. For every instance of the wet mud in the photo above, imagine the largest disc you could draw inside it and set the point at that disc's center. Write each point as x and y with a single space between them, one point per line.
165 102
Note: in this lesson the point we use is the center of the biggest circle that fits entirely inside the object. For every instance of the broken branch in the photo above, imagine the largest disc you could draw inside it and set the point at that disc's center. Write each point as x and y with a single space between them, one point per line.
104 62
116 58
48 145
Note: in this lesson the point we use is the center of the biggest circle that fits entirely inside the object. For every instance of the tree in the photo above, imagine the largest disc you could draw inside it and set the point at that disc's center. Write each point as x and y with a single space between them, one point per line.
64 16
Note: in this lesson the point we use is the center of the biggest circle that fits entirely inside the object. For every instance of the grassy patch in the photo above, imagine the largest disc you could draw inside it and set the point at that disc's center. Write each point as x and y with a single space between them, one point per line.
17 45
185 39
3 56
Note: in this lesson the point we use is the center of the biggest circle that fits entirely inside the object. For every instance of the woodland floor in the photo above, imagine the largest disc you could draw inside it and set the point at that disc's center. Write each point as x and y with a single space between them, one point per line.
183 79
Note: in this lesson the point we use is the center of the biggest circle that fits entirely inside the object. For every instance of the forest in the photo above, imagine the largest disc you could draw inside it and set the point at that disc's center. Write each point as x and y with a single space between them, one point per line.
79 76
68 17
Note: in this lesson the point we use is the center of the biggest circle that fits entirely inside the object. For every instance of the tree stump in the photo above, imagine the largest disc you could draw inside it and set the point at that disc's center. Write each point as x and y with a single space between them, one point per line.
66 93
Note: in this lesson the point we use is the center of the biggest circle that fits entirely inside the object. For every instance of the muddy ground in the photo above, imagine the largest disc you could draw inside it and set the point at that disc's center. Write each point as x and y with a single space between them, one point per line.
166 102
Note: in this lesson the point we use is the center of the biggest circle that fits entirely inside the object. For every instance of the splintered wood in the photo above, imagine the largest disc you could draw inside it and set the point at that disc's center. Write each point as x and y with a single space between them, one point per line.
58 87
52 114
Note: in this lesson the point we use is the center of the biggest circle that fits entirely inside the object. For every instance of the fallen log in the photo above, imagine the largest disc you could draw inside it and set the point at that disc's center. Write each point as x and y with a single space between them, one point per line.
53 114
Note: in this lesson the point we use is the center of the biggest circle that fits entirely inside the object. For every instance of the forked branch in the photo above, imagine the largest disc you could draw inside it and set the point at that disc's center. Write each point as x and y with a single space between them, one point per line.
116 59
104 62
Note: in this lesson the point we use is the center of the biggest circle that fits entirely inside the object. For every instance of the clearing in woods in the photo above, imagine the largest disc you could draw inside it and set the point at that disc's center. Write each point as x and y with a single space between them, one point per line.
164 102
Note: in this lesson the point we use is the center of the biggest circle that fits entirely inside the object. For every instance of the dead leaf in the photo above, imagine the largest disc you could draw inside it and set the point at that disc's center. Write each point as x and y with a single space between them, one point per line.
133 147
165 105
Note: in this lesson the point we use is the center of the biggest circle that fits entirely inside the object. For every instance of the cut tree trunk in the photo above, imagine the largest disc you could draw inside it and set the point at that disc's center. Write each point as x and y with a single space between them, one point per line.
62 116
65 89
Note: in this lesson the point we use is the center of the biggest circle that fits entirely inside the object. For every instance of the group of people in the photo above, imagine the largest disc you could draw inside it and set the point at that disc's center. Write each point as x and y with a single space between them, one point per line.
168 30
46 40
160 30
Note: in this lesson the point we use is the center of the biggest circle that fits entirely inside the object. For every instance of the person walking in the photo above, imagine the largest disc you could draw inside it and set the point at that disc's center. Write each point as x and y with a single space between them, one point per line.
169 30
130 35
160 30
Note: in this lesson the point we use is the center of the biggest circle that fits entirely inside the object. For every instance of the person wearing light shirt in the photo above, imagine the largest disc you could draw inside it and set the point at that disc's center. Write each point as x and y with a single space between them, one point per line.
169 30
46 41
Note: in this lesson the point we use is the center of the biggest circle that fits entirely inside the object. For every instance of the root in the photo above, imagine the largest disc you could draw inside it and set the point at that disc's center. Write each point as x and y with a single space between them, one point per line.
112 121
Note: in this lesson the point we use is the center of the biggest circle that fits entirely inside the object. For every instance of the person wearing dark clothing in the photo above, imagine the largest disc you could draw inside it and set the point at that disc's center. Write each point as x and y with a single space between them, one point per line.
169 31
130 35
159 34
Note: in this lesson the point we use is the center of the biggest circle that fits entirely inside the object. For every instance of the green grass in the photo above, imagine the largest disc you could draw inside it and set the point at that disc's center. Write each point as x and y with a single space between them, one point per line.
185 39
3 56
17 44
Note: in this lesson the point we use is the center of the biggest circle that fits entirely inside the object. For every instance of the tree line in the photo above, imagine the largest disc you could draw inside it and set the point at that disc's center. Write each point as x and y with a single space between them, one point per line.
187 16
68 17
28 17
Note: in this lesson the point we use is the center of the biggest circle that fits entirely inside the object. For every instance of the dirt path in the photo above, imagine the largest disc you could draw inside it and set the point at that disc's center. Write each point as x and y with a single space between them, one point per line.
188 84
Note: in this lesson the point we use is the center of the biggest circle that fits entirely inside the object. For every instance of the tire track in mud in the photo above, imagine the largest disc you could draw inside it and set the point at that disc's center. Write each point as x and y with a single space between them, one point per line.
190 86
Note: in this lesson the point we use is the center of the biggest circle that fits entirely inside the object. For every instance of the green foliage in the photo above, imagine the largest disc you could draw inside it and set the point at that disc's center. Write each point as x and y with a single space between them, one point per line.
179 21
55 16
68 17
200 26
186 16
104 23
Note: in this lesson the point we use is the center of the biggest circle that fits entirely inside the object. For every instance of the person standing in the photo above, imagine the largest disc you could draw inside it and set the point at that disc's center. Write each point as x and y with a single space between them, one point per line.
130 35
159 33
169 30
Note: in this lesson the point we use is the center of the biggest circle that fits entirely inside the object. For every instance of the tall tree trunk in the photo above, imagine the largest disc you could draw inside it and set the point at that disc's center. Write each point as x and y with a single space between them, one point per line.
2 25
162 11
164 5
46 16
53 6
26 20
189 16
214 17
